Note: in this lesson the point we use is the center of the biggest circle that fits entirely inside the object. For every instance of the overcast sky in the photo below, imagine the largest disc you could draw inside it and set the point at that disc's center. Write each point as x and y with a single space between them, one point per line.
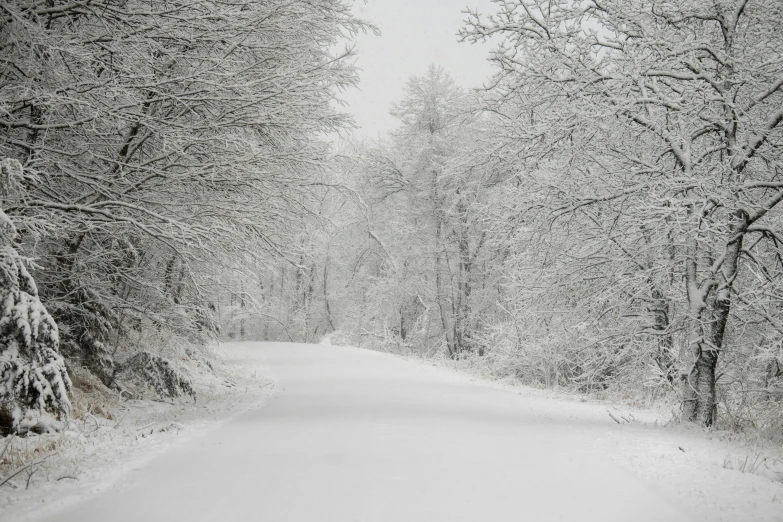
415 34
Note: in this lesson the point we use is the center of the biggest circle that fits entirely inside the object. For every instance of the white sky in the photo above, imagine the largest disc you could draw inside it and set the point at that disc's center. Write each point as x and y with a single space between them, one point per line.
414 34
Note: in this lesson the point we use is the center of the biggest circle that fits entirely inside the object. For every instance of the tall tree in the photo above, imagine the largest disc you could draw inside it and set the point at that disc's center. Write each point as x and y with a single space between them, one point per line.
685 98
162 140
33 377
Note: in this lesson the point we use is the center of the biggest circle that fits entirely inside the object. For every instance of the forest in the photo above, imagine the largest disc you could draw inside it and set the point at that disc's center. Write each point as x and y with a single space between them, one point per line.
603 217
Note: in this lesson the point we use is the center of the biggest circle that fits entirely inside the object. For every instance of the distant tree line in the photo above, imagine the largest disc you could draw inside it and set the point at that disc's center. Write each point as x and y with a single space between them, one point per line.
604 216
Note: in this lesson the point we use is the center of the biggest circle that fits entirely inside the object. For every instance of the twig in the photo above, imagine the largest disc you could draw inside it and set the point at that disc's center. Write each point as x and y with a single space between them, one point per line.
613 417
30 475
120 421
97 424
7 444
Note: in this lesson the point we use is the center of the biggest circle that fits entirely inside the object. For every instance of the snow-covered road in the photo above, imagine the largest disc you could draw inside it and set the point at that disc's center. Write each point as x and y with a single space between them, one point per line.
359 436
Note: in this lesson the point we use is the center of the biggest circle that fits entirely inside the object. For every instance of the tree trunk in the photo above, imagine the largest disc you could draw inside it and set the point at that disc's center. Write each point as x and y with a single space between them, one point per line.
664 357
462 313
448 332
700 402
326 292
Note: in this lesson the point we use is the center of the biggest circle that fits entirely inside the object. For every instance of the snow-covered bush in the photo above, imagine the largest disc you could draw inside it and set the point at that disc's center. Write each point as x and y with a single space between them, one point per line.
87 325
156 373
33 377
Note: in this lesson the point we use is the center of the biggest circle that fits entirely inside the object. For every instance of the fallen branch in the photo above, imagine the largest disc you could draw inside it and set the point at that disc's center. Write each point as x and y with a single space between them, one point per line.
23 467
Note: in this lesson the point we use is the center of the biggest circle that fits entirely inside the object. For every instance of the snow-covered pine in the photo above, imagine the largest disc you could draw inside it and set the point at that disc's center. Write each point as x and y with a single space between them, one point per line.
34 380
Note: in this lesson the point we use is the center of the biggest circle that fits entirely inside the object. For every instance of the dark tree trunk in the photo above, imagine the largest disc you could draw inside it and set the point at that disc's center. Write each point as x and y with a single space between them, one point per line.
700 400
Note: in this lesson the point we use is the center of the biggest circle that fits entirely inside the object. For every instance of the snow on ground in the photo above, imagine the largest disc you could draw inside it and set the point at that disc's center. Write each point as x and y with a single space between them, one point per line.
358 435
95 453
354 435
713 475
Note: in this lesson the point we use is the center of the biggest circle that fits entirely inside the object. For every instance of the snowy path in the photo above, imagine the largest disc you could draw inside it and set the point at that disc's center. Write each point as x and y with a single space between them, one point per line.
359 436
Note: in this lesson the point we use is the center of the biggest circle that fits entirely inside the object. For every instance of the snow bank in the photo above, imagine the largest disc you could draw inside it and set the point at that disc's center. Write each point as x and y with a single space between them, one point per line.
116 437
